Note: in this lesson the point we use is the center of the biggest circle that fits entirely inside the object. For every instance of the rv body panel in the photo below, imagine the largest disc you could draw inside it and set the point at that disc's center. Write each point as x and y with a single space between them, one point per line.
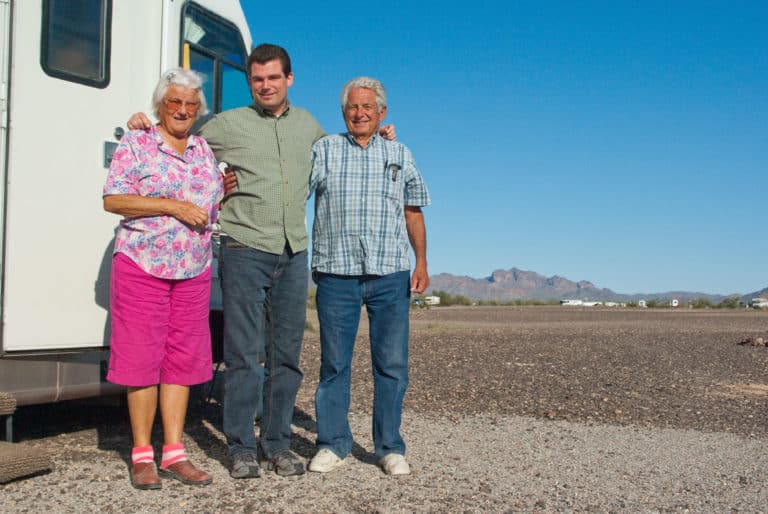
58 238
56 139
55 377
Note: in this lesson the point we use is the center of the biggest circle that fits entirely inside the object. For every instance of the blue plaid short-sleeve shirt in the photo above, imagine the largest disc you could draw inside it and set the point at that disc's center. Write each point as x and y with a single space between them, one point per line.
360 194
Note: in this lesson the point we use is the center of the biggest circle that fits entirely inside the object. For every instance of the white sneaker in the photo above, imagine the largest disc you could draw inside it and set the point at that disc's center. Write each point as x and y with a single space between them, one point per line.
324 461
394 464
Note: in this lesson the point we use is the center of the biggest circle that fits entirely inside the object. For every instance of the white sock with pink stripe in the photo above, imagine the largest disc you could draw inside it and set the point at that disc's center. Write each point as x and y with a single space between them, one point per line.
172 453
142 454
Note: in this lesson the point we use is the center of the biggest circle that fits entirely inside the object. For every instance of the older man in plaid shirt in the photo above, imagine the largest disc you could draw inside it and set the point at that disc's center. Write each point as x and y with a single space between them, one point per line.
368 199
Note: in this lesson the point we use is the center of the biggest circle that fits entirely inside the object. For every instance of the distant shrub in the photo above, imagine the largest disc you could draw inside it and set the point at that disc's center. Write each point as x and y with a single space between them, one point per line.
700 303
461 300
515 303
449 299
729 303
530 301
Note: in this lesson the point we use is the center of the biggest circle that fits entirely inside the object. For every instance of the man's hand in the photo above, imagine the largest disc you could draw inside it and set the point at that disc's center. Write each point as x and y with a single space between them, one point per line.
388 132
139 121
419 280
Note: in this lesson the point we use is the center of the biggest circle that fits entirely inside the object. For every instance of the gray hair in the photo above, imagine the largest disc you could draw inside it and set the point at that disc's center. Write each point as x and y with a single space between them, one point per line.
180 77
365 83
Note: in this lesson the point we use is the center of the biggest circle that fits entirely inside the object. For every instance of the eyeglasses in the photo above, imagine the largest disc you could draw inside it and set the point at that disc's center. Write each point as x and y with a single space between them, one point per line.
174 104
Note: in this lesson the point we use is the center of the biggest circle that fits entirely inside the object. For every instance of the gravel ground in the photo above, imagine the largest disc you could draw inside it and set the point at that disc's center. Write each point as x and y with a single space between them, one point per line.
509 409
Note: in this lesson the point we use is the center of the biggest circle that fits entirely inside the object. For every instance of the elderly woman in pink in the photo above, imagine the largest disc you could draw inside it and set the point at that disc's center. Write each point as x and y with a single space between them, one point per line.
165 184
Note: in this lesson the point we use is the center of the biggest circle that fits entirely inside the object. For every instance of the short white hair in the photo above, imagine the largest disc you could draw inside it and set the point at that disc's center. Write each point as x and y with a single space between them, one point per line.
365 83
180 77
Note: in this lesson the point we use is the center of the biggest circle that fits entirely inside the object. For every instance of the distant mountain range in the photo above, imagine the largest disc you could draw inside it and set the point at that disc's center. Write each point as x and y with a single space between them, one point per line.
512 284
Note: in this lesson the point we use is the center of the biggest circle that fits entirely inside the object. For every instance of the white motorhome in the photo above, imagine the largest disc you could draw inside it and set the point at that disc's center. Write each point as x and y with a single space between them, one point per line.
71 73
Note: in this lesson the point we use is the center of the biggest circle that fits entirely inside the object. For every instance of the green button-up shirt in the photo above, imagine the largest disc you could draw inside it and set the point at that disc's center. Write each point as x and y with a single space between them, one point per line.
271 158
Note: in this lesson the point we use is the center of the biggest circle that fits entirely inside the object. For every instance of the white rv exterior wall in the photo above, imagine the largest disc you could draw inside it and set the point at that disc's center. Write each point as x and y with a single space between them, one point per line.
57 239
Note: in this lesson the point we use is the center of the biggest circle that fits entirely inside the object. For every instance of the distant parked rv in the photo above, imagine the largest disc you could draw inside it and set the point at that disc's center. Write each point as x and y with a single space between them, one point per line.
759 303
432 300
580 303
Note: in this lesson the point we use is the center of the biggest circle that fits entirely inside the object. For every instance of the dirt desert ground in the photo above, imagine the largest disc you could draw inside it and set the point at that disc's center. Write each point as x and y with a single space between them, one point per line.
509 409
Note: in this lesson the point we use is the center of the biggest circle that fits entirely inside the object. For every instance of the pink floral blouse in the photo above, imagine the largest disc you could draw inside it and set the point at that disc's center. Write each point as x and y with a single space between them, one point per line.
144 165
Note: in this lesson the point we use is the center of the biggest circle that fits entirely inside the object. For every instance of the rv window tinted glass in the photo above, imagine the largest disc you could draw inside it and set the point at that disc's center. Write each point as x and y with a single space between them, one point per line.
75 40
204 64
214 34
214 47
234 90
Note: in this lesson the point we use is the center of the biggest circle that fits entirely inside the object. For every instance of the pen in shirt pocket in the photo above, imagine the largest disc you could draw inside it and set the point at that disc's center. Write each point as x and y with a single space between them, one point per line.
393 169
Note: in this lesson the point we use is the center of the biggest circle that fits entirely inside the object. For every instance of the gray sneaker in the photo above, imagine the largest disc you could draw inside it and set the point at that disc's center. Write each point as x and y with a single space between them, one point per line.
286 463
244 465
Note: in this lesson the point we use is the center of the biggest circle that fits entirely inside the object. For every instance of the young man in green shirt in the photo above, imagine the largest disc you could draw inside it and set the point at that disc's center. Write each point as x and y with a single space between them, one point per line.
263 261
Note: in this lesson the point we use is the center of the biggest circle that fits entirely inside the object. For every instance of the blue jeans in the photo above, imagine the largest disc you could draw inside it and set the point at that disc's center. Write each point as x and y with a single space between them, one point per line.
264 297
339 300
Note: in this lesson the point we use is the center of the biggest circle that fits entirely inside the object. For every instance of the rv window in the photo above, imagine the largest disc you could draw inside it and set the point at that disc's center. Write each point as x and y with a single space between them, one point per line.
204 64
75 40
216 50
207 30
233 94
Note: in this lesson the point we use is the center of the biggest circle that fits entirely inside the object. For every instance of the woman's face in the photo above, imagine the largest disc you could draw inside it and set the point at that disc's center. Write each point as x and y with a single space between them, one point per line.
178 110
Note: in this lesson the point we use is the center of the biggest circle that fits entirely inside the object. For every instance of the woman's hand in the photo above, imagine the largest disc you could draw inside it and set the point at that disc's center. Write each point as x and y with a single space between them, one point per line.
230 181
188 213
137 206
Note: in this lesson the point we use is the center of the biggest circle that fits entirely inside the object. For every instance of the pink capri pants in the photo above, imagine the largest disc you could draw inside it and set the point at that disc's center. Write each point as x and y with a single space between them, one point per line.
160 331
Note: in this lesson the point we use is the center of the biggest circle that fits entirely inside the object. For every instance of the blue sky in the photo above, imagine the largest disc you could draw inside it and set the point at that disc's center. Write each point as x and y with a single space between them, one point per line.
620 142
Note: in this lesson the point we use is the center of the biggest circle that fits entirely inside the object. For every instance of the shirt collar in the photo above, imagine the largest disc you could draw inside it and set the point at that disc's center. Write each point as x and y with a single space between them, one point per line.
154 132
371 142
264 114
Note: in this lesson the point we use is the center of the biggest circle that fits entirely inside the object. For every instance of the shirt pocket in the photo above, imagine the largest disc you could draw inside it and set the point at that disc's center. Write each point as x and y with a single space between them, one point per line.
392 182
